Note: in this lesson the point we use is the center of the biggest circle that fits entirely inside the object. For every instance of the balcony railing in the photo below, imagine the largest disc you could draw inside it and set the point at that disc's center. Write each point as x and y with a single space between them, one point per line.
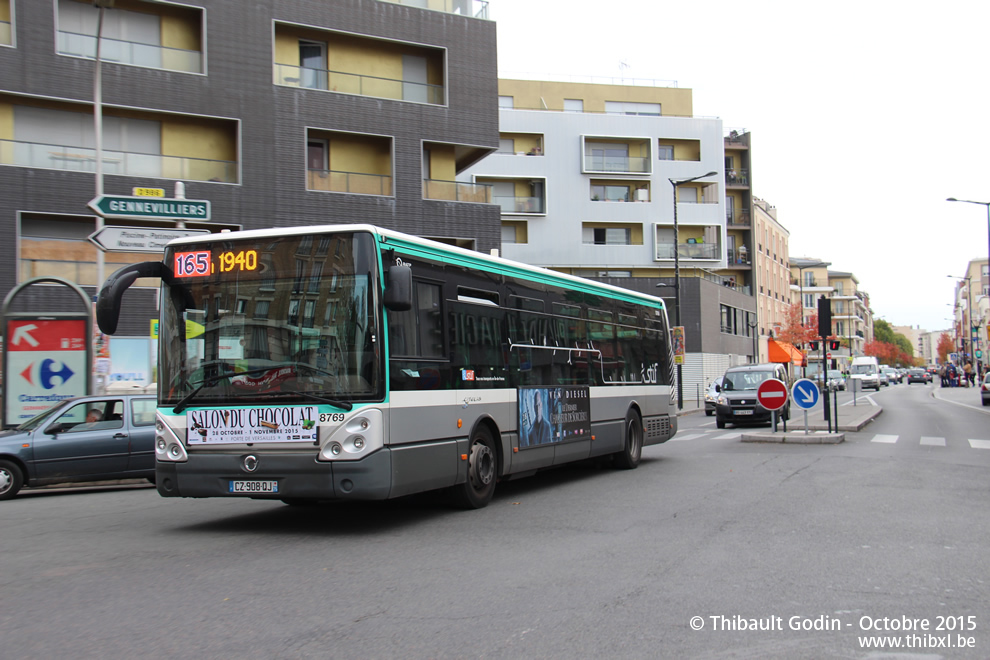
737 177
361 85
519 204
81 159
688 251
808 283
739 218
473 8
5 33
130 52
456 191
738 257
348 182
636 164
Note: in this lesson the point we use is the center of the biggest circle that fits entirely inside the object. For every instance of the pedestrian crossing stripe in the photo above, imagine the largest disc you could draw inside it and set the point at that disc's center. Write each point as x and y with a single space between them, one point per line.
979 444
933 442
890 439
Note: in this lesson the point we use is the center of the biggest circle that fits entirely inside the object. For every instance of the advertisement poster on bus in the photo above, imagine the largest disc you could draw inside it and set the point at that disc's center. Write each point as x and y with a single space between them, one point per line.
553 414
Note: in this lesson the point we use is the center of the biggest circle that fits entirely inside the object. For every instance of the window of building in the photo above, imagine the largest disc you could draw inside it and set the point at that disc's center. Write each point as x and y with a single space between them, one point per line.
505 102
312 64
631 108
610 193
606 236
665 152
573 105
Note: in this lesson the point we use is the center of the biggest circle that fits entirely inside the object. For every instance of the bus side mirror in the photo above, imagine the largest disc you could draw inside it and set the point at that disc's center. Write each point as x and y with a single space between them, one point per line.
108 302
398 288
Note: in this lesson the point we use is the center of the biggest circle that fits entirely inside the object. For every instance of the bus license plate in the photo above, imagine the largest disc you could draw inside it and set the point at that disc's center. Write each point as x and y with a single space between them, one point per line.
744 412
249 487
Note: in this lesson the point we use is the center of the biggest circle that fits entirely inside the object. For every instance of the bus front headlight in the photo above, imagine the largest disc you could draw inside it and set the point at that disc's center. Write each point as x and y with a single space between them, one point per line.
168 447
360 435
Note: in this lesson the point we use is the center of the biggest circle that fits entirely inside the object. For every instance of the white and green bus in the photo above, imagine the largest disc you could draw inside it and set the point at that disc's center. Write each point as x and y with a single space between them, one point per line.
353 362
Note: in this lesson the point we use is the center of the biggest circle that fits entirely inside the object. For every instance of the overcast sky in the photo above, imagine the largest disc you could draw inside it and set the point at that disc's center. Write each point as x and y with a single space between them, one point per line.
865 116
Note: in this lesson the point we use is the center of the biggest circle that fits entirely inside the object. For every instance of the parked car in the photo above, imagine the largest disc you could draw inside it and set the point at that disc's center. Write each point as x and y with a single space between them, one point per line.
711 394
917 375
836 381
91 438
985 389
736 403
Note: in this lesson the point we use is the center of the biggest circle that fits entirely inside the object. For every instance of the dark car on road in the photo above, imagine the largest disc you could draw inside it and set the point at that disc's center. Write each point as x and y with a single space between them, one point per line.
92 438
917 375
736 403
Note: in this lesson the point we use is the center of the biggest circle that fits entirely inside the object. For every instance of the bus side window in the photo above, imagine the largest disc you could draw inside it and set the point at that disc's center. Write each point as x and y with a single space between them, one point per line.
418 332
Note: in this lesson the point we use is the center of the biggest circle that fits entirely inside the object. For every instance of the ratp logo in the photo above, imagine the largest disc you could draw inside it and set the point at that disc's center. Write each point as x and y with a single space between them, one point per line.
467 374
46 372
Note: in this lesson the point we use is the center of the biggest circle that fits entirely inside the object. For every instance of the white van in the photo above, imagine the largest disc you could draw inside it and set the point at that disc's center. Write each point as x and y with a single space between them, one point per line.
866 370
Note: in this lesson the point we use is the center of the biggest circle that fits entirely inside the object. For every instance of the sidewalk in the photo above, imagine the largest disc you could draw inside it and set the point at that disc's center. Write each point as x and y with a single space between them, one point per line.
964 396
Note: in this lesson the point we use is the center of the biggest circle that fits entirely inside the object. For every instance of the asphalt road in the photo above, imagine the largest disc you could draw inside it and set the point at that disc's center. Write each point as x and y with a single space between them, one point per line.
578 562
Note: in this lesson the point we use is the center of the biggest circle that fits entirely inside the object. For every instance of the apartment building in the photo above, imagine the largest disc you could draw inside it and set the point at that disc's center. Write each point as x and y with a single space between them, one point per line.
771 265
971 311
287 113
585 177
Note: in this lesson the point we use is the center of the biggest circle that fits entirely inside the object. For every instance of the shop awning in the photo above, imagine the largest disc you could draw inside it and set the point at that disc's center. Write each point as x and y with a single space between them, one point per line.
781 351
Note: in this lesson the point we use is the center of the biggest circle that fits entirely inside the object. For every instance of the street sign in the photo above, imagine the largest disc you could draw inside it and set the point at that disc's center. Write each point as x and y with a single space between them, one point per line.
148 192
772 394
46 363
157 208
805 393
138 239
979 354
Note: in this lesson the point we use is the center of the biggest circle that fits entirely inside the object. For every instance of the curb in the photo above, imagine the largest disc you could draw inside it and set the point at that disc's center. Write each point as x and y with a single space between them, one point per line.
796 438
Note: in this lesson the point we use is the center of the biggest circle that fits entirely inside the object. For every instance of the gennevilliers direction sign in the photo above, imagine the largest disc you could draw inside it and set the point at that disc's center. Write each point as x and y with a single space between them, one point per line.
138 239
772 394
804 393
158 208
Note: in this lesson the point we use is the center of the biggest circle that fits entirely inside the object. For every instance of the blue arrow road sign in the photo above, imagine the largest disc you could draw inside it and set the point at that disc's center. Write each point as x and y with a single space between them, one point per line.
805 393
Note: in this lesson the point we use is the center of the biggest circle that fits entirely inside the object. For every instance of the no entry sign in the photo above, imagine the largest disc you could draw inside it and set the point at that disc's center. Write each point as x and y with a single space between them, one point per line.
772 394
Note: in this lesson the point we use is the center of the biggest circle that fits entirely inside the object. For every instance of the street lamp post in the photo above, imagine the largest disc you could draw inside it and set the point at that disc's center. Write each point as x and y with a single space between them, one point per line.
677 281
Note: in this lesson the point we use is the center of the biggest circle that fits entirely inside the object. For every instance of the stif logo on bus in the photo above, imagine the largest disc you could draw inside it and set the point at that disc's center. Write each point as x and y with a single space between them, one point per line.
467 374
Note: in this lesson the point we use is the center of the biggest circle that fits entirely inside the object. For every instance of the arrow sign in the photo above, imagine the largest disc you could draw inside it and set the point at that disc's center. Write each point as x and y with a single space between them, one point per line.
138 239
24 333
158 208
772 394
805 393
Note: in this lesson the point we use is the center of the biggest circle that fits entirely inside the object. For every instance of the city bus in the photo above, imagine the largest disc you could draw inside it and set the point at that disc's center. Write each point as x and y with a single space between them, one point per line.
350 362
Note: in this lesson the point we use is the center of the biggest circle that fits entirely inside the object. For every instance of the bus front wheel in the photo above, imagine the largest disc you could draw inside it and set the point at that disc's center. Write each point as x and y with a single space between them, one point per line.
477 490
632 451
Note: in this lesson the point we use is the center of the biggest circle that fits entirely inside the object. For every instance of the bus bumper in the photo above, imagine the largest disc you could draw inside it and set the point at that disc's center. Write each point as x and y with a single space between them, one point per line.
210 475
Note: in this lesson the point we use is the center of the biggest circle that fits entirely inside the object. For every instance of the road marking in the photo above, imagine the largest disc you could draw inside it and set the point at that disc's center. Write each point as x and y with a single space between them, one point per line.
678 438
979 444
933 442
889 439
727 436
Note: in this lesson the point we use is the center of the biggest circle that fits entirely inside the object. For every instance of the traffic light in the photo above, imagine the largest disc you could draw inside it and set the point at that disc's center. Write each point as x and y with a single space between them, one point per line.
814 345
833 345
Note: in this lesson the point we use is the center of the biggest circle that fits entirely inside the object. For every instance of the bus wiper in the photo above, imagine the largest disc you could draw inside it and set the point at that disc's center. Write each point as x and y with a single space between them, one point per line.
212 380
346 405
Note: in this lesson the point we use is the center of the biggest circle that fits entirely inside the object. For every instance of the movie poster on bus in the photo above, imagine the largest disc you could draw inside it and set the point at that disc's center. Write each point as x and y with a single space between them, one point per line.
549 415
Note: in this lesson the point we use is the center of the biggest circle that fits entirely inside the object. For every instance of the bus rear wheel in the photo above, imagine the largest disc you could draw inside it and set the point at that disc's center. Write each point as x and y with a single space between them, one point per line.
632 451
477 490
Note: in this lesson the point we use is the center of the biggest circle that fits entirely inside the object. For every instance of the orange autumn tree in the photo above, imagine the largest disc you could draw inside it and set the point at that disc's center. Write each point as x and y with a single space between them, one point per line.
796 333
944 347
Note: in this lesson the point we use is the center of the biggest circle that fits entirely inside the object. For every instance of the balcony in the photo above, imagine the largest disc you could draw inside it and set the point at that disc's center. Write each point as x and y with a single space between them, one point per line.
81 159
472 8
457 191
519 204
740 219
737 178
738 257
130 52
348 182
360 85
706 251
617 164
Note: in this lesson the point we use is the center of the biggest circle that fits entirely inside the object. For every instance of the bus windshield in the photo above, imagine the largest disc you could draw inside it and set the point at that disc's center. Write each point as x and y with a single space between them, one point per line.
286 317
